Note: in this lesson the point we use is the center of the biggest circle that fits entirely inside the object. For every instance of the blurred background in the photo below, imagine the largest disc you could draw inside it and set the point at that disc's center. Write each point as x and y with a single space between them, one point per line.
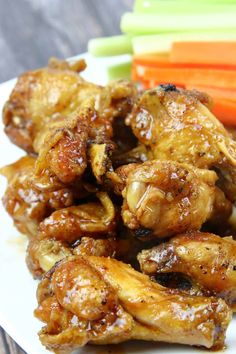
33 30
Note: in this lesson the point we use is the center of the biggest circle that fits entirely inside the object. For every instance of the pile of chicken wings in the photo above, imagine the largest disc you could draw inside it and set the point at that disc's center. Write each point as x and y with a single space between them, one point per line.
121 194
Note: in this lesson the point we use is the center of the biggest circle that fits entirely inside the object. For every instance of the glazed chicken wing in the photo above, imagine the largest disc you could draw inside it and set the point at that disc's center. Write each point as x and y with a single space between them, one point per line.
105 301
29 201
177 125
208 260
55 113
83 135
37 97
163 198
90 219
43 254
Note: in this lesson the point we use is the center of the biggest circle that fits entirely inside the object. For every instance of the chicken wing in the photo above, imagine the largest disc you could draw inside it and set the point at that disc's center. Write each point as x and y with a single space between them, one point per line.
43 254
208 260
90 219
105 301
85 131
177 125
163 198
37 96
29 201
55 113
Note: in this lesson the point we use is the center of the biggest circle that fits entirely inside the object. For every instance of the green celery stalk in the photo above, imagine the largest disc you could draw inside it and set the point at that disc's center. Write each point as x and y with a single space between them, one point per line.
108 46
133 23
119 71
161 43
182 6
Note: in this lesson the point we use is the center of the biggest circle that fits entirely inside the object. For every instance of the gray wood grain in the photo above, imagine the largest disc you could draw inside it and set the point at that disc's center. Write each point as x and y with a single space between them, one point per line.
7 345
33 30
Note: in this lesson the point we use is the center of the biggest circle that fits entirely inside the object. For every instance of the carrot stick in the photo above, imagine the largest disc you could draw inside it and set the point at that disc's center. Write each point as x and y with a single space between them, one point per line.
151 59
189 76
163 60
149 84
225 111
208 53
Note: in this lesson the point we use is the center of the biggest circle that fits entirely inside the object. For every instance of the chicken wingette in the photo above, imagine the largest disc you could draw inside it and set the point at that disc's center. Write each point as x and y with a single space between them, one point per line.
100 300
209 261
177 125
61 117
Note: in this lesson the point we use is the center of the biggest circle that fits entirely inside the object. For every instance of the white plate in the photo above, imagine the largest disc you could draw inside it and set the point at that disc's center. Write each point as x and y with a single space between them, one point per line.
17 288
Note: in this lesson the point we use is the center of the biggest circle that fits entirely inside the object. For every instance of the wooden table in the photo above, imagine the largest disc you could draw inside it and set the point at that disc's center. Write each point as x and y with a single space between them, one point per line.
32 30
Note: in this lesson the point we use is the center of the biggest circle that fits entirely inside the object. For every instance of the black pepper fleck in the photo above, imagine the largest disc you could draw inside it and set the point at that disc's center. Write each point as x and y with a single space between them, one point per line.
168 87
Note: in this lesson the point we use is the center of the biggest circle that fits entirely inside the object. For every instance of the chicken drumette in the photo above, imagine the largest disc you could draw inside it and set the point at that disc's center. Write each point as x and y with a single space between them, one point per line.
101 300
163 198
209 261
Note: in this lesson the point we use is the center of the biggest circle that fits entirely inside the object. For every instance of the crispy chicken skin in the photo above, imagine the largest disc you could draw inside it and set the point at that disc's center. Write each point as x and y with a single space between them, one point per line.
90 219
208 260
102 301
177 126
29 201
55 113
163 198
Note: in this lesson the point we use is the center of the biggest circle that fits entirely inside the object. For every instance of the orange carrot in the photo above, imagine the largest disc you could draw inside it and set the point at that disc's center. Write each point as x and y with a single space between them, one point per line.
225 111
149 84
208 53
151 59
189 76
163 60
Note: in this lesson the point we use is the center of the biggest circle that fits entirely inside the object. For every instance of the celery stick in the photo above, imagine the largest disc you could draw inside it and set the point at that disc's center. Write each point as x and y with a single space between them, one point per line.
106 46
119 71
154 23
161 43
182 6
